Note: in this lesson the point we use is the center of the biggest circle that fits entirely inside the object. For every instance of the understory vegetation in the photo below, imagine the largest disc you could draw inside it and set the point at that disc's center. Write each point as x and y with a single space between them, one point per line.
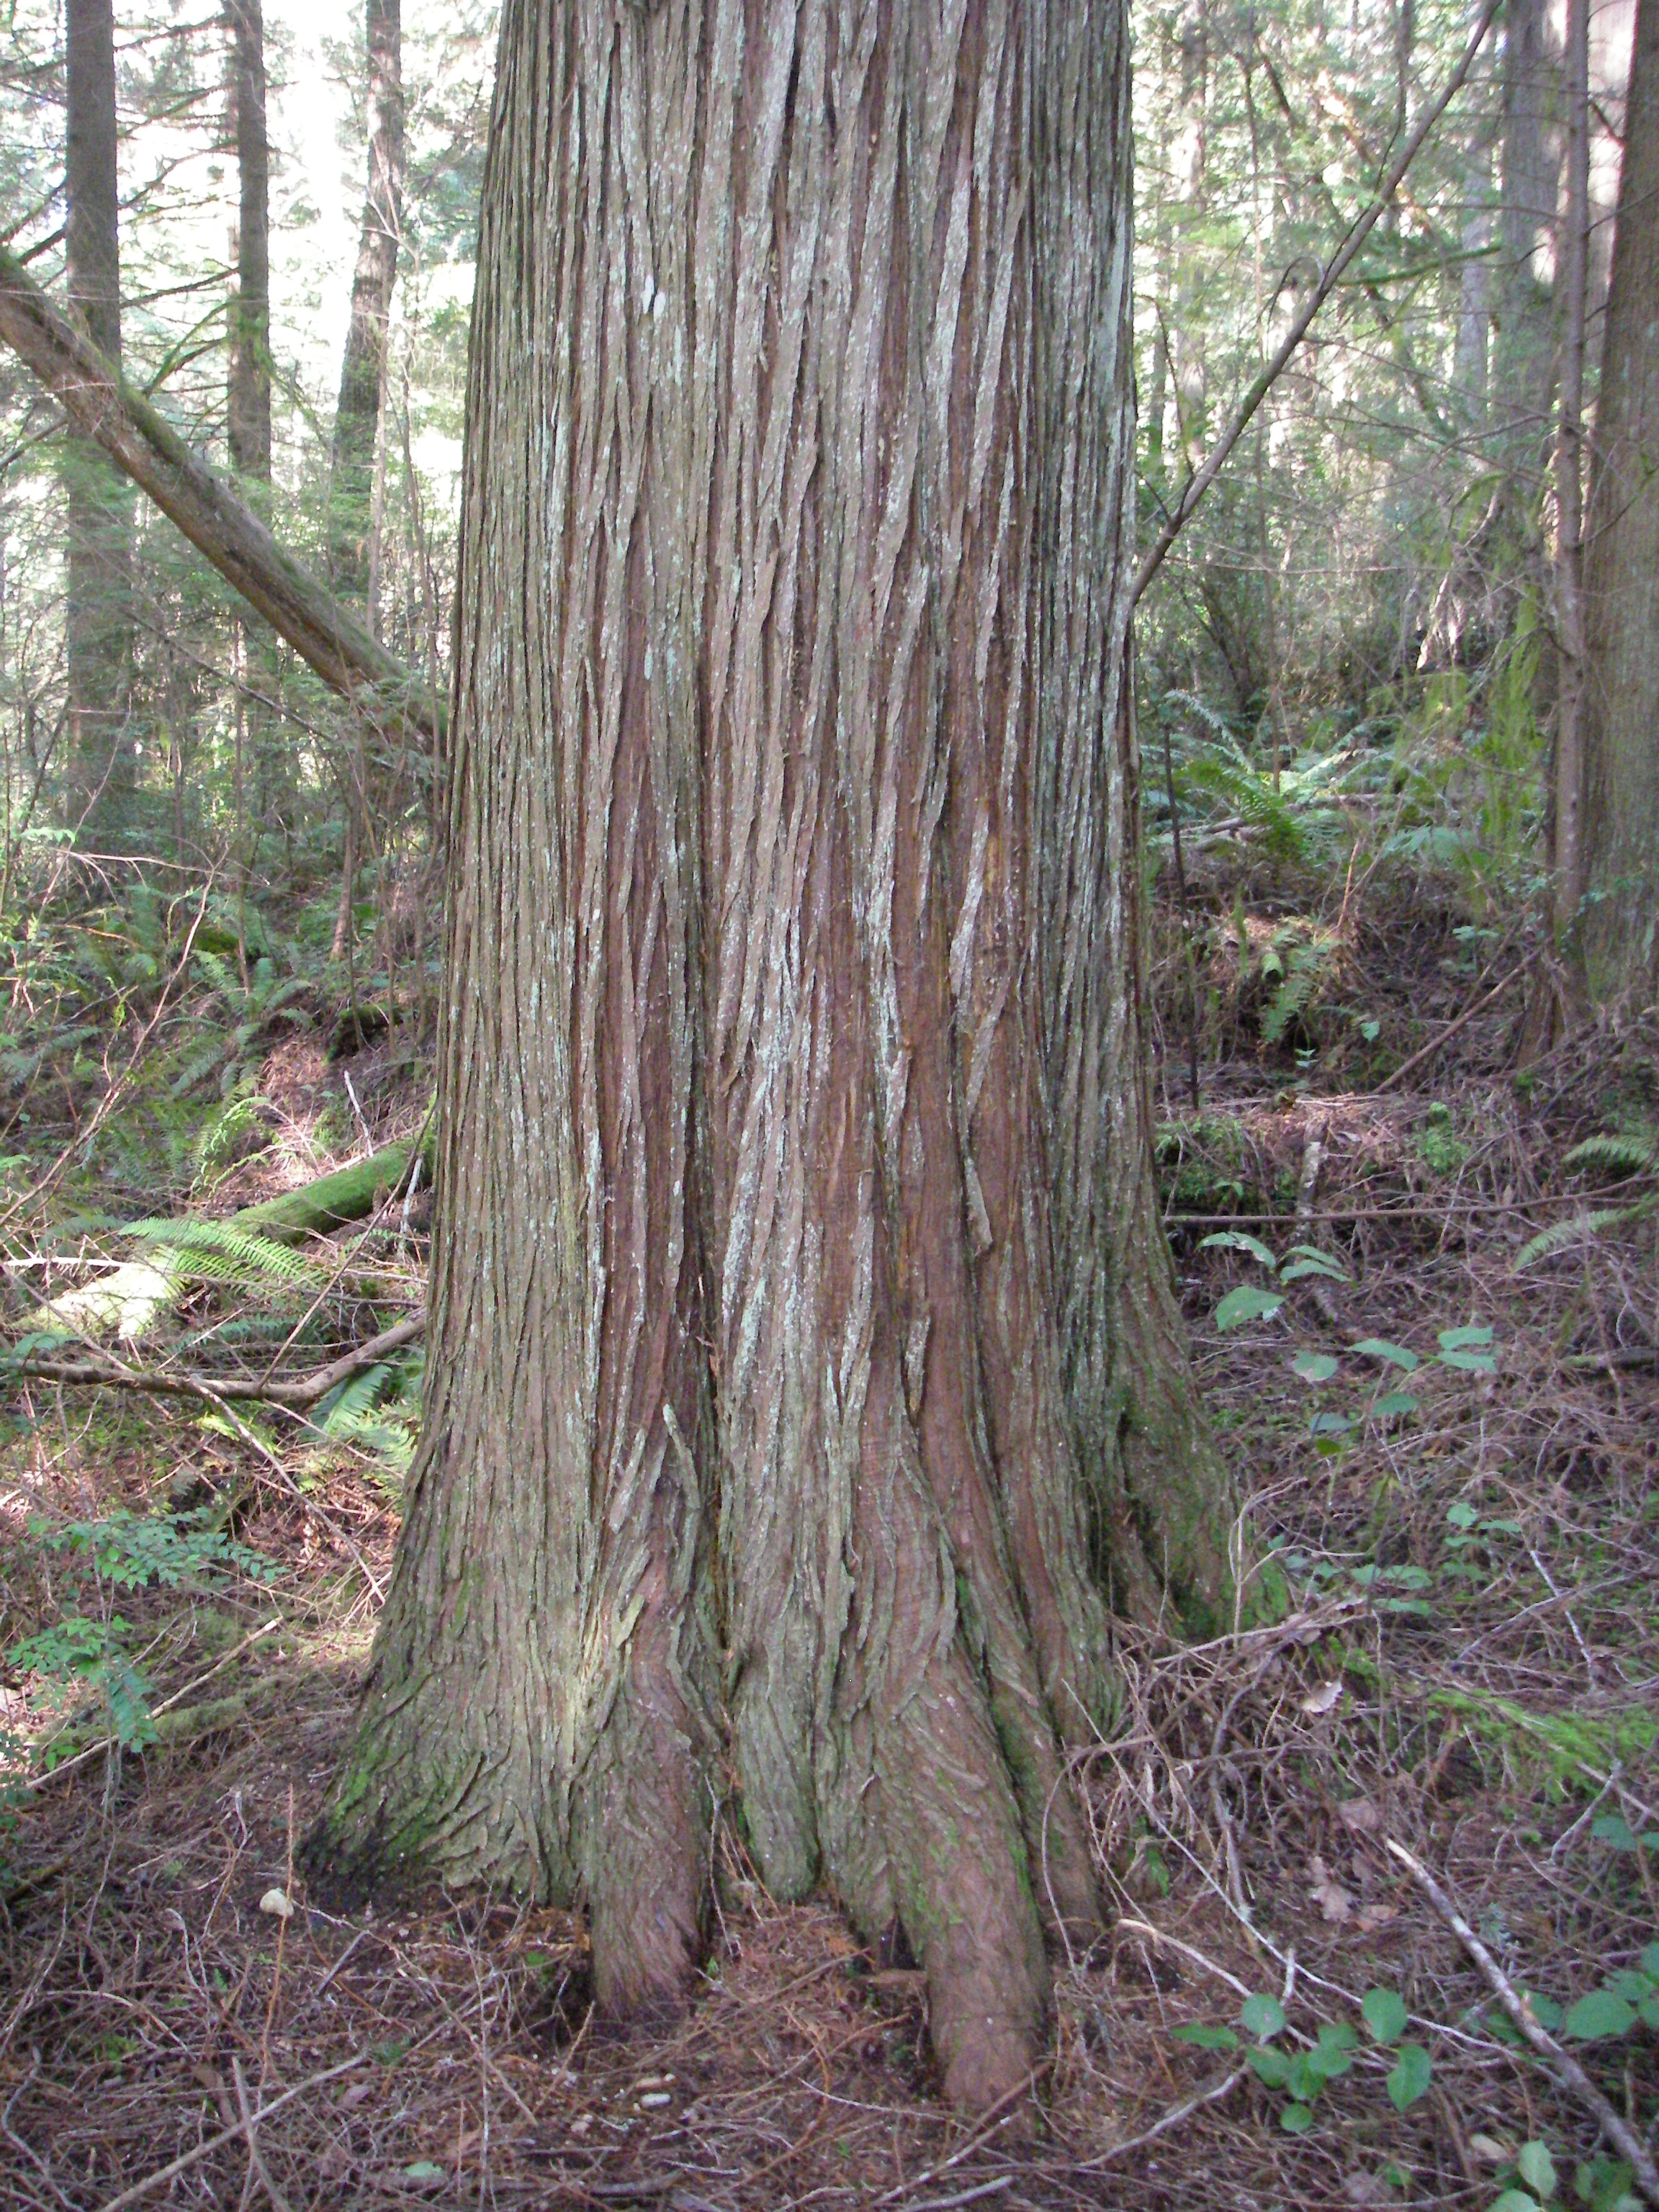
1380 1860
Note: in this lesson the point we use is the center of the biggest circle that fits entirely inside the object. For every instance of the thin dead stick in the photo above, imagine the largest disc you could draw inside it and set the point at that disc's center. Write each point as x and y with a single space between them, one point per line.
1339 261
251 2129
1428 1050
115 1375
183 2164
1145 1928
993 2120
962 2196
1562 2064
1211 2093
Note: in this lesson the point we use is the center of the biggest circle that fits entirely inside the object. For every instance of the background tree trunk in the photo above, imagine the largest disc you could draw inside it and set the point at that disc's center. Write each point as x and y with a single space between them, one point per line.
1567 843
249 354
803 1347
98 626
362 371
1531 170
1621 708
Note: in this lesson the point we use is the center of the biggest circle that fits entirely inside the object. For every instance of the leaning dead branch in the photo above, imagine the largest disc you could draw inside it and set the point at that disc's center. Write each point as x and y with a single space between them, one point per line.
1562 2064
108 1373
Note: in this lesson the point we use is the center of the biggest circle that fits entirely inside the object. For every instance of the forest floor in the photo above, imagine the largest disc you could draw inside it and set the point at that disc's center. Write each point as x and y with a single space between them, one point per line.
1469 1671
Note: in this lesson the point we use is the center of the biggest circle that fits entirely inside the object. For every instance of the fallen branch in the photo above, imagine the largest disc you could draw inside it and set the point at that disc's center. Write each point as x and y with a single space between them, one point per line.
113 1373
1562 2064
1478 1005
144 445
182 2165
1210 2094
1339 261
196 1720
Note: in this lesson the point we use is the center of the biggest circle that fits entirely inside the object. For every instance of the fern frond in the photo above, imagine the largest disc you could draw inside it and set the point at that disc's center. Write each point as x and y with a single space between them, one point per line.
218 1251
1561 1235
1633 1152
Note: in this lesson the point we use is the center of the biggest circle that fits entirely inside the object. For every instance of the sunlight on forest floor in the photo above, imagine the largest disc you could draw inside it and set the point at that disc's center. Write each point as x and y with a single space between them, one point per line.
1468 1669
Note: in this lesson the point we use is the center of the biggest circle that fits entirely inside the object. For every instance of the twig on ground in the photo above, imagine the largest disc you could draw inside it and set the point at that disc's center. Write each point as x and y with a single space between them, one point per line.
115 1375
256 2164
1210 2094
1428 1051
1562 2064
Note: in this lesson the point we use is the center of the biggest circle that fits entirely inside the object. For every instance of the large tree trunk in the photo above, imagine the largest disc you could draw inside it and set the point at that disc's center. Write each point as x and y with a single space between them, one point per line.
250 352
362 371
97 623
1621 706
805 1364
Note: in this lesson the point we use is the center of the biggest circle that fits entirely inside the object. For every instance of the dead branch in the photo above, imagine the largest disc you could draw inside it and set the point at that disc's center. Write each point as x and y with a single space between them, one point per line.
1562 2064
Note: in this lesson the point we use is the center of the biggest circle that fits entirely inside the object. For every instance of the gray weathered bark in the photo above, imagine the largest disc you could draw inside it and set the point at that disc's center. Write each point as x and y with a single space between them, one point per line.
250 315
804 1359
1567 855
1620 707
362 372
98 616
1530 178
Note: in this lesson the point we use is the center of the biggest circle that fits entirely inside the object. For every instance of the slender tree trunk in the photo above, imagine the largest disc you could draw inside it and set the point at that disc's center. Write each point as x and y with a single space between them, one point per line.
1531 171
149 451
362 373
249 411
1567 855
250 321
98 626
803 1343
1620 707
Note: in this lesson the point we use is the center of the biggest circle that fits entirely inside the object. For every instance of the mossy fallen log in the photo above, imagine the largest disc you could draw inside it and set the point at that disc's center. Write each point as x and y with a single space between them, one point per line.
131 1298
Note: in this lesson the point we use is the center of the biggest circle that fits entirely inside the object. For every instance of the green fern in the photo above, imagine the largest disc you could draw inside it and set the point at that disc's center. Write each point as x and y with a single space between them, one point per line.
1633 1151
1629 1153
218 1251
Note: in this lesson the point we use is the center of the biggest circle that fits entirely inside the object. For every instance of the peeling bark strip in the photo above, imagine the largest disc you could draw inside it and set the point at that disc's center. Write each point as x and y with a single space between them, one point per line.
802 1354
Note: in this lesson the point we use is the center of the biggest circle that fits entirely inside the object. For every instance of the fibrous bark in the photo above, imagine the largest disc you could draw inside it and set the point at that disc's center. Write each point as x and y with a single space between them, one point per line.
362 371
803 1361
1621 706
98 616
249 413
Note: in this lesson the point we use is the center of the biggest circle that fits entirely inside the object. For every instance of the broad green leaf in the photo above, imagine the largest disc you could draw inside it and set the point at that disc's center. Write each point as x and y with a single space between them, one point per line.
1536 2168
1236 1240
1544 2010
1272 2067
1294 1270
1514 2200
1378 1347
1409 2078
1470 1363
1649 1962
1463 1339
1602 2013
1385 2014
1246 1303
1262 2016
1612 1829
1205 2038
1315 1366
1392 1403
1296 2120
1461 1515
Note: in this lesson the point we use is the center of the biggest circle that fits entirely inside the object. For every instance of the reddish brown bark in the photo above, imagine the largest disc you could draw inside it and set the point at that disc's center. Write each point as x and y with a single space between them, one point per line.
804 1359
